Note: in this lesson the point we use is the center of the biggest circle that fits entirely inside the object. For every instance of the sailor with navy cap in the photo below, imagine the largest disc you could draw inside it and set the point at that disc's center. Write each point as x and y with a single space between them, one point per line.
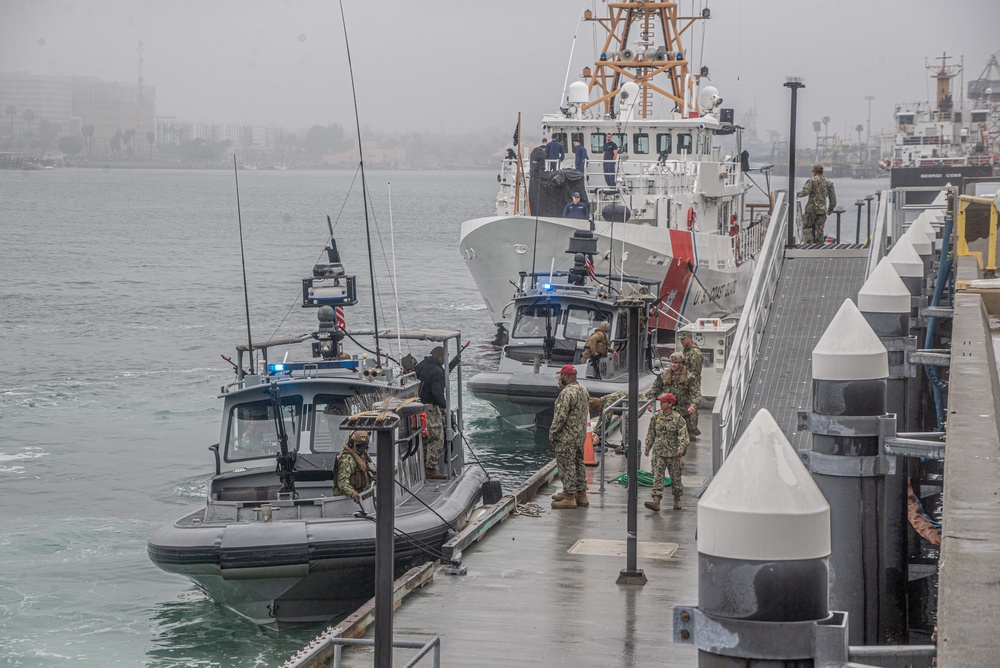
576 209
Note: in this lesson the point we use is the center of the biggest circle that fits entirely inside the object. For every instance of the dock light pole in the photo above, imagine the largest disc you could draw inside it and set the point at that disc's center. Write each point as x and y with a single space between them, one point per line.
631 574
383 422
793 83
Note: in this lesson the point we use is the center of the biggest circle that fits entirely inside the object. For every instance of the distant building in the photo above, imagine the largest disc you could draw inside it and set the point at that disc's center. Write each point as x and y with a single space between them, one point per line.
74 102
374 157
48 98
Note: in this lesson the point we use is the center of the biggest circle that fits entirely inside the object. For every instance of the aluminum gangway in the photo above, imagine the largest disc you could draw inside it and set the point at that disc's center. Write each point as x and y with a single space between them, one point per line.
794 294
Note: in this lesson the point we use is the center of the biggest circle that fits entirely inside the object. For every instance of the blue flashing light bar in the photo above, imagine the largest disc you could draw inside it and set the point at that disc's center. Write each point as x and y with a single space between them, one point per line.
546 286
289 367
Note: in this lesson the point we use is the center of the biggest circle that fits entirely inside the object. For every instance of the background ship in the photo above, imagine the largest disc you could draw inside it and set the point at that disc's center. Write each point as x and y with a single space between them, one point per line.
946 143
671 207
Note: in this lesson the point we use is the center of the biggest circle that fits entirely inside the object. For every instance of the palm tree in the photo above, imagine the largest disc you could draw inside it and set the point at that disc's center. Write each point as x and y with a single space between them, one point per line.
115 144
12 114
88 132
29 116
150 137
129 138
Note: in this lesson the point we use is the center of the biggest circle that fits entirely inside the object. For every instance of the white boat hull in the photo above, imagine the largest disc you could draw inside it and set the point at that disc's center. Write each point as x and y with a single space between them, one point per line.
496 249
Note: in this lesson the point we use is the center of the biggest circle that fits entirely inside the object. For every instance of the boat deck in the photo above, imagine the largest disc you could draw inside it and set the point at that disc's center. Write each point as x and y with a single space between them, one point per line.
813 285
541 589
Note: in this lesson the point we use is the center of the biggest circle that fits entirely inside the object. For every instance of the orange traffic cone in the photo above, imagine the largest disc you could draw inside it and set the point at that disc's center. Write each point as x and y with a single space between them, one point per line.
588 447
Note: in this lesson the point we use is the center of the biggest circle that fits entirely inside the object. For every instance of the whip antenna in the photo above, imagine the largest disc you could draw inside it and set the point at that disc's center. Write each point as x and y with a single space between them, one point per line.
243 262
364 189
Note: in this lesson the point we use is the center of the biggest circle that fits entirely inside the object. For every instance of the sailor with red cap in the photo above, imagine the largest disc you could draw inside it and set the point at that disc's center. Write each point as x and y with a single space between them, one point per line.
566 435
668 439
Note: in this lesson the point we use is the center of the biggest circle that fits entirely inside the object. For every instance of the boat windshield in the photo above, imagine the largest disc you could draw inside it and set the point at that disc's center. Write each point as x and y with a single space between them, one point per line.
532 319
581 321
331 411
252 434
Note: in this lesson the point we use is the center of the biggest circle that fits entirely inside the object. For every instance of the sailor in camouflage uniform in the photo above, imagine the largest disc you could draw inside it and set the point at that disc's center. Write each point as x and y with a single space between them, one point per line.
566 436
683 385
354 467
818 189
694 362
668 439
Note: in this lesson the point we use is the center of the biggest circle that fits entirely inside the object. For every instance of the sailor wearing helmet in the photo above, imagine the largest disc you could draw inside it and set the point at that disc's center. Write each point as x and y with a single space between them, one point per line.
354 467
566 435
685 386
667 438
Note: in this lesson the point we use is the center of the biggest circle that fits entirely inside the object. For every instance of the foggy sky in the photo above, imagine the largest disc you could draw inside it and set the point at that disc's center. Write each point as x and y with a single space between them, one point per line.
447 65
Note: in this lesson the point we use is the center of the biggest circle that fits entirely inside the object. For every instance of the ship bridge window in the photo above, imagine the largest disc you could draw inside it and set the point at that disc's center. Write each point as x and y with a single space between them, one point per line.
597 142
684 142
664 143
330 413
906 119
581 321
252 433
640 143
561 137
577 136
533 319
979 116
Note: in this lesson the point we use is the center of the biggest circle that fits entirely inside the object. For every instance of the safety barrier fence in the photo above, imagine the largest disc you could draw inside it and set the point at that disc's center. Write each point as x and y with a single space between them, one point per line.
735 382
976 230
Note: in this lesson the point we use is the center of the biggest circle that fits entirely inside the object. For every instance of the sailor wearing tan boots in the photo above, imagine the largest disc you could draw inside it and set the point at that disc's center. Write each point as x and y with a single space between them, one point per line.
567 435
668 439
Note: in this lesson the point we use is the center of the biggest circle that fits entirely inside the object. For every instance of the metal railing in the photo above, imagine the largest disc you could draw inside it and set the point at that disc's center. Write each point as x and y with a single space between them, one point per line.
310 659
735 383
878 243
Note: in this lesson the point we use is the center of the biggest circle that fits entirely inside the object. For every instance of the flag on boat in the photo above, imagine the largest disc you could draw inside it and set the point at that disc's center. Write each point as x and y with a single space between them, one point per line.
516 128
589 264
341 323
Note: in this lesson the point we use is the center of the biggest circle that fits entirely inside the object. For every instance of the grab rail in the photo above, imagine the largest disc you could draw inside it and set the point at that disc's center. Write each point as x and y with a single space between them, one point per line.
879 242
735 382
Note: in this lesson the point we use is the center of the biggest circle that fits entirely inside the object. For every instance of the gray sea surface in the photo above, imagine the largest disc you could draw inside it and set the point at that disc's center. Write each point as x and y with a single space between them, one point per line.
119 292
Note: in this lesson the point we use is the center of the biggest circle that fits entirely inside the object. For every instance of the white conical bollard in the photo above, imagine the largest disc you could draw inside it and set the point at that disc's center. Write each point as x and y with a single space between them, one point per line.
884 301
908 265
763 546
850 376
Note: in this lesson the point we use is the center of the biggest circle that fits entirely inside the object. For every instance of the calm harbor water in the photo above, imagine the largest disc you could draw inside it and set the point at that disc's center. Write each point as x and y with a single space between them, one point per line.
120 291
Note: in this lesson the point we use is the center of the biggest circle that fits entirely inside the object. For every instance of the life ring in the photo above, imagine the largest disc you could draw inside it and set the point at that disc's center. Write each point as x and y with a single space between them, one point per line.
692 218
902 127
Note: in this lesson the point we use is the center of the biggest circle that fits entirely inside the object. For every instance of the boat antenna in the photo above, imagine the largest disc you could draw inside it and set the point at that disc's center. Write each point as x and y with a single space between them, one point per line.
572 48
395 289
243 262
364 190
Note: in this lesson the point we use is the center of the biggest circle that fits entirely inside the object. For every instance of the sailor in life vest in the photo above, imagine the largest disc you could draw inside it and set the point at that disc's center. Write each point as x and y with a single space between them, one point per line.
354 466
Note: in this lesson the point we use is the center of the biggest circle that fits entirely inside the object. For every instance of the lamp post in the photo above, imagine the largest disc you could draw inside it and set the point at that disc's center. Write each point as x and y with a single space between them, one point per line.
793 83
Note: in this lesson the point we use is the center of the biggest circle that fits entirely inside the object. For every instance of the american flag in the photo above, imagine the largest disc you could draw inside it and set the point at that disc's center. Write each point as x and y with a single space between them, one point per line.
341 323
589 264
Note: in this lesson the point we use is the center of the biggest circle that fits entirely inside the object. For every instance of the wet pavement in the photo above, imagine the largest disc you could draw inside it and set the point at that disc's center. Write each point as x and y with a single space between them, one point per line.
535 595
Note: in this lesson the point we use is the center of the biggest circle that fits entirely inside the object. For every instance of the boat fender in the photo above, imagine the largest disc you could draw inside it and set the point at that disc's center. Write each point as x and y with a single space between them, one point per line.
492 492
692 218
734 227
616 213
